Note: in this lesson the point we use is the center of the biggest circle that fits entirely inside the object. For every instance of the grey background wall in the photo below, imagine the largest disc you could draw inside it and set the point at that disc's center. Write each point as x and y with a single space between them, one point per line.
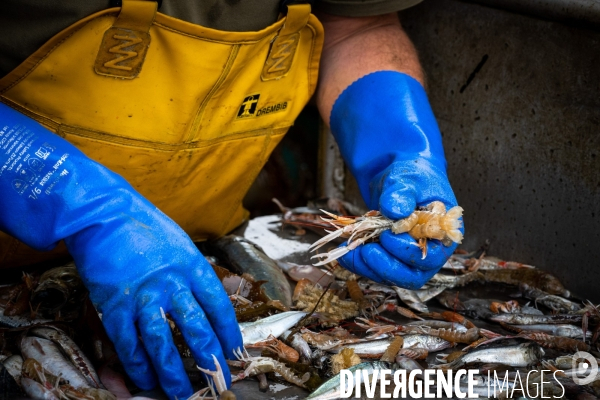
517 99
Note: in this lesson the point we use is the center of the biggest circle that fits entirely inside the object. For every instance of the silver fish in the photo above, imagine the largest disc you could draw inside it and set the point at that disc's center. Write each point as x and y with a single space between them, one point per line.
554 302
377 347
298 344
531 319
275 325
37 391
68 346
246 257
563 330
454 265
431 343
332 388
14 365
368 349
521 355
408 363
50 357
530 310
434 324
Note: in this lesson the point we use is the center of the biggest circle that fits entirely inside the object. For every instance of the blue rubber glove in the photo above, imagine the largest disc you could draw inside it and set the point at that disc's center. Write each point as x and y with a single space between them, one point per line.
135 261
391 143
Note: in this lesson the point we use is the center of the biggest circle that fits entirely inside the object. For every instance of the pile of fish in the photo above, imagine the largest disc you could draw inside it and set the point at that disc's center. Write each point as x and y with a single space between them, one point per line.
478 312
38 358
303 324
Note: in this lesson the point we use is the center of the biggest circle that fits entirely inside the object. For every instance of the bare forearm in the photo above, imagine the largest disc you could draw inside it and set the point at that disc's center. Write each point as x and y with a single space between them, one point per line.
355 47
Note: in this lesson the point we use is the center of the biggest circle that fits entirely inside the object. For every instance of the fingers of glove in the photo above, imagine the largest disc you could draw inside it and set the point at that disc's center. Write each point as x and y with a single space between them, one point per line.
124 335
198 333
156 334
354 262
215 303
391 270
398 201
403 247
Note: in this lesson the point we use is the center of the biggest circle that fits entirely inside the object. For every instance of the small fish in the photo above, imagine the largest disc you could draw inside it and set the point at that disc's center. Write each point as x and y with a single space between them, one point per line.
36 390
530 310
299 344
477 308
431 343
245 257
366 349
408 363
14 365
532 319
553 302
50 357
434 324
68 347
275 325
454 265
563 330
332 388
521 355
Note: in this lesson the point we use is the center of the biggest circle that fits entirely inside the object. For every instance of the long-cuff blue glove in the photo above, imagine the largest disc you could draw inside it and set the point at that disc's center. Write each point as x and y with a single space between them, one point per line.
391 143
135 261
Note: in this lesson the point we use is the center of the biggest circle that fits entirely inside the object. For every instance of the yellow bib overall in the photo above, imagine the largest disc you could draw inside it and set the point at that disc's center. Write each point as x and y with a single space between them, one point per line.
188 115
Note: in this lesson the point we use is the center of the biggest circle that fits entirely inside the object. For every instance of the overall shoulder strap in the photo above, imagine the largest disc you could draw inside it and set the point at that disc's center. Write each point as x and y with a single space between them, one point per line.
119 3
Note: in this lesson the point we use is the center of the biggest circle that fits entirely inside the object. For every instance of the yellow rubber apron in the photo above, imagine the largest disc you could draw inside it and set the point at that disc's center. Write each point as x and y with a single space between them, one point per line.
187 114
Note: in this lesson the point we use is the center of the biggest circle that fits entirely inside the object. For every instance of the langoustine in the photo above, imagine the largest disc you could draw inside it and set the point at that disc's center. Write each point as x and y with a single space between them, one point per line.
432 222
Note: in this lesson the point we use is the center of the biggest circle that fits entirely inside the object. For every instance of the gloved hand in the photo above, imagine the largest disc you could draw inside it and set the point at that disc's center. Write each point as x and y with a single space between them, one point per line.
391 143
135 261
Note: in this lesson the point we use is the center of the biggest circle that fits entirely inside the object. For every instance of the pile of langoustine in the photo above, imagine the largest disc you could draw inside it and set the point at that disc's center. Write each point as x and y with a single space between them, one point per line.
332 319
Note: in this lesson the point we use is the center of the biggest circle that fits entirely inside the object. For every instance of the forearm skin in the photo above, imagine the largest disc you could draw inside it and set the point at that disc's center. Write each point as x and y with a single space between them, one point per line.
355 47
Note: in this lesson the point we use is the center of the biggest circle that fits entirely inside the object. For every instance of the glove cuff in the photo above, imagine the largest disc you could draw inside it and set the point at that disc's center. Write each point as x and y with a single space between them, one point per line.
50 190
381 118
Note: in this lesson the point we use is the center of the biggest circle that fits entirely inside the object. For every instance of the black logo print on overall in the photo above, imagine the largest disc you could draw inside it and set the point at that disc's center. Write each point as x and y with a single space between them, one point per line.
248 107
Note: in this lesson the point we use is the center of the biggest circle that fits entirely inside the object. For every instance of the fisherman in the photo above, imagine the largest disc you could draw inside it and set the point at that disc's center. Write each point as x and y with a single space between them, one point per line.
127 133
